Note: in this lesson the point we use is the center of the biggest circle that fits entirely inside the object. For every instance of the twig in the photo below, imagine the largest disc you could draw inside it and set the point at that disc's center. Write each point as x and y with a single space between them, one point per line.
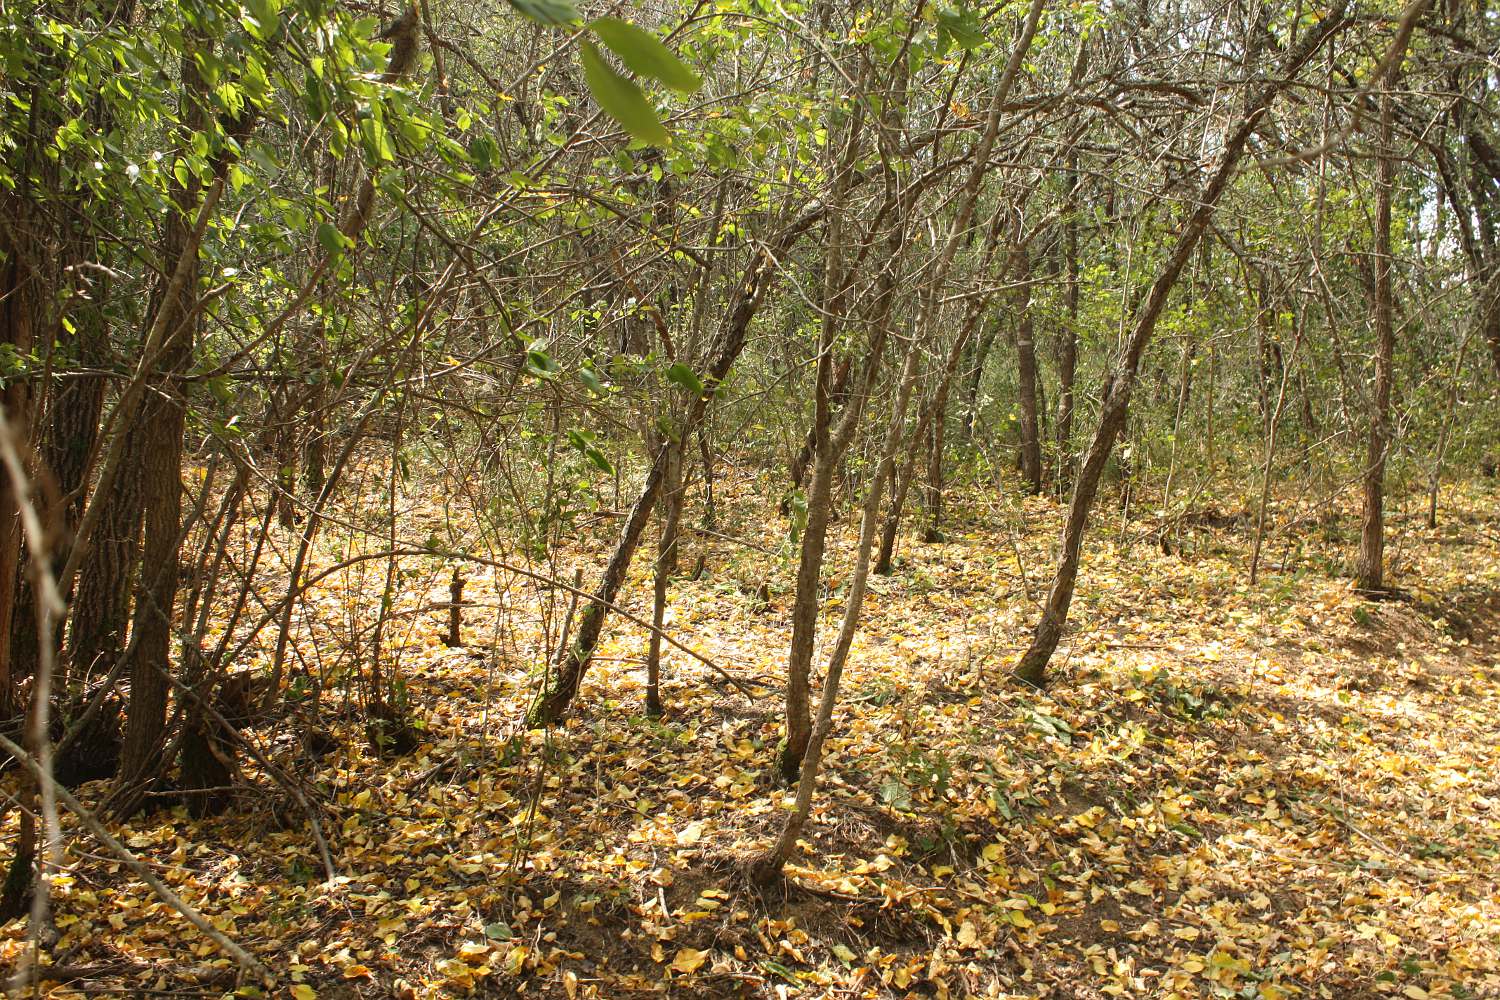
247 961
49 608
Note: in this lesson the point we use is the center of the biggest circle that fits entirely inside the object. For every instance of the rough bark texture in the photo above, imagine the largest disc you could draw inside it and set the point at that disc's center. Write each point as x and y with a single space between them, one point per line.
159 472
16 305
805 607
769 866
797 724
797 473
23 298
101 606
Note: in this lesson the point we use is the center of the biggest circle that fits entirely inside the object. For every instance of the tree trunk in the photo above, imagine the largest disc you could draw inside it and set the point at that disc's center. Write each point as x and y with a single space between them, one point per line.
570 664
935 415
666 566
24 299
1067 354
805 608
159 430
932 512
101 607
836 281
1116 404
1370 572
17 305
976 378
885 558
160 474
797 474
1031 439
769 866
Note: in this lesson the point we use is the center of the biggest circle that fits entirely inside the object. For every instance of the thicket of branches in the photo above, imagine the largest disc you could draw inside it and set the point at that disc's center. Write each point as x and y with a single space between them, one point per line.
267 272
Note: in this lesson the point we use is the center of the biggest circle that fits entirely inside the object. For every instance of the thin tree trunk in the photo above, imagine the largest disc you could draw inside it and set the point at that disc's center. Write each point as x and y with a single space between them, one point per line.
933 500
666 566
1184 386
1116 404
1031 438
976 379
805 606
1067 355
936 410
886 556
1435 478
798 729
797 474
769 866
1370 571
571 662
1272 430
805 603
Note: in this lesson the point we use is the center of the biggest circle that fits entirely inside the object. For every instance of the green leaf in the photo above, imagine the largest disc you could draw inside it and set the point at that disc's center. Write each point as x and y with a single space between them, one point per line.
681 374
264 18
547 11
895 793
584 442
330 239
621 99
484 152
644 53
961 25
589 378
539 363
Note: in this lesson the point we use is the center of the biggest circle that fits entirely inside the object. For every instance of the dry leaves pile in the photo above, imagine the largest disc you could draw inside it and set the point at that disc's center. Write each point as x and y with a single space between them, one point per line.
1231 791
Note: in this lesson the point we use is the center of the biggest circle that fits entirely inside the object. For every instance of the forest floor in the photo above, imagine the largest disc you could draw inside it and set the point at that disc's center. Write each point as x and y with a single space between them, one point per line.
1268 791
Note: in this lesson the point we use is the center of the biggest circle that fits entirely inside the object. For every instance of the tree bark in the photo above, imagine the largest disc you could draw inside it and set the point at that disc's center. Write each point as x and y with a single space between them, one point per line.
932 512
159 430
162 424
101 606
1067 354
1370 571
666 567
826 454
1031 438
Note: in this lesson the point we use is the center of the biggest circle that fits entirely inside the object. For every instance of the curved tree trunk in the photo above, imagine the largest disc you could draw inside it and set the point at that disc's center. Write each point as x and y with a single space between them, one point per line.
765 869
1116 405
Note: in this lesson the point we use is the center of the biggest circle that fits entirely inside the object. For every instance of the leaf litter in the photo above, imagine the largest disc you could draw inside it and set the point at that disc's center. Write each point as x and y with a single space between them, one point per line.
1230 791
